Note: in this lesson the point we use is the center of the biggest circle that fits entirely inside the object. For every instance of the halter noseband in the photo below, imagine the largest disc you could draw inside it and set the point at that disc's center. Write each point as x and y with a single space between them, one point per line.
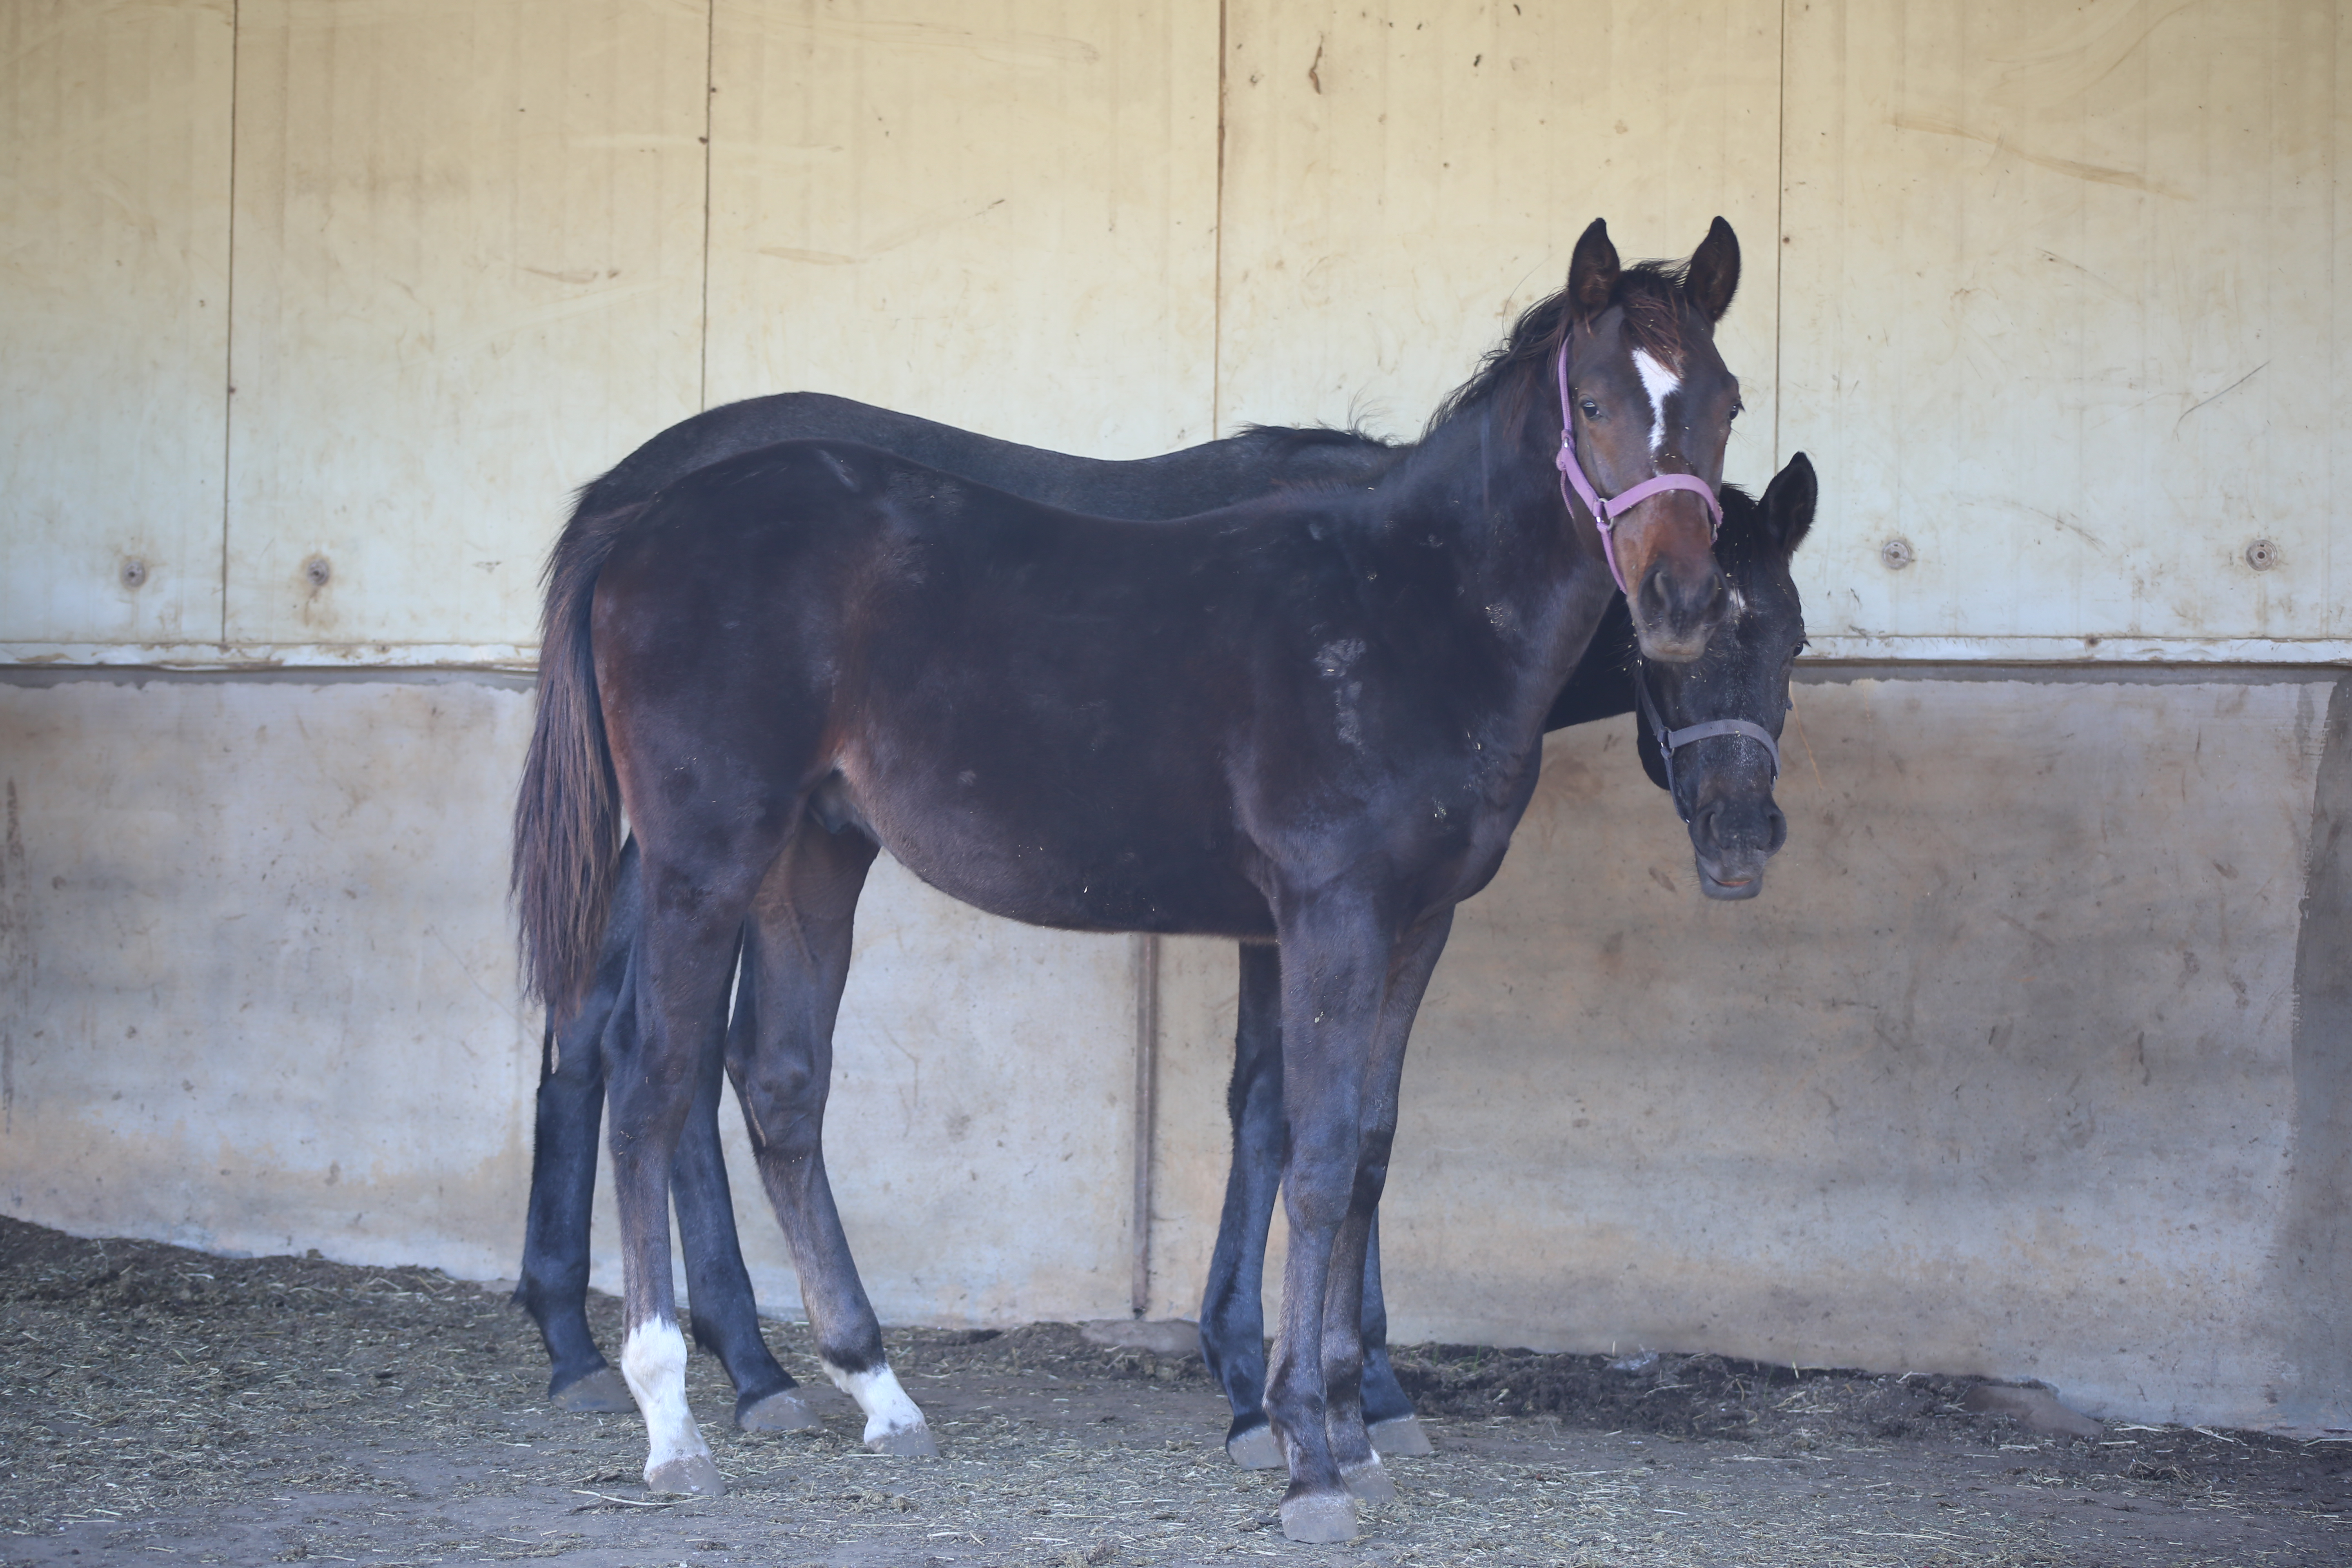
1606 513
1672 740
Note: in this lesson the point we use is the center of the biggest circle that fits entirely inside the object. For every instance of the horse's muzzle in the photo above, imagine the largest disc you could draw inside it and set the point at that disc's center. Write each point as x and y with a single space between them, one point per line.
1731 840
1676 613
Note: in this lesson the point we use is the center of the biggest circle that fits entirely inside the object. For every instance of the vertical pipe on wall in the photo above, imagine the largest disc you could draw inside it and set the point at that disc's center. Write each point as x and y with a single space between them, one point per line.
1147 1077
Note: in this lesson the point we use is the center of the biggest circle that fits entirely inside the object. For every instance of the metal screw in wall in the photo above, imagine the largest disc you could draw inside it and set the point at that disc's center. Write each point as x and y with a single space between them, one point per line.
317 570
2261 555
1896 555
133 573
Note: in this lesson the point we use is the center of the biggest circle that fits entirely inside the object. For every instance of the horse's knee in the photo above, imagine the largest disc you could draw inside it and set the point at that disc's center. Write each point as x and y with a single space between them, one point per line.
785 1106
1317 1193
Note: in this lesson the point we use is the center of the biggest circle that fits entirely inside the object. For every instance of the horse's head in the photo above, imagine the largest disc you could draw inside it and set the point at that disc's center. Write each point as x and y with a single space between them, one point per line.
1710 728
1646 396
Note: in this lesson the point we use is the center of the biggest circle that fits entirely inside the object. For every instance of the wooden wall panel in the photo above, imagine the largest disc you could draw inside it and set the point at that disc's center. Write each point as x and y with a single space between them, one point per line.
469 277
997 213
2061 313
1402 179
114 179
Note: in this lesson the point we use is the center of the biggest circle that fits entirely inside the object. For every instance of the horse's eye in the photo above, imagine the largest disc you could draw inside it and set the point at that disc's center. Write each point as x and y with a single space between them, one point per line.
1737 408
1591 409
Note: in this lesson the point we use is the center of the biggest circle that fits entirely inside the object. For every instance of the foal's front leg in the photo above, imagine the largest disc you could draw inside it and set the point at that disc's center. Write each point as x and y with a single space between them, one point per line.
1411 964
1335 964
1233 1323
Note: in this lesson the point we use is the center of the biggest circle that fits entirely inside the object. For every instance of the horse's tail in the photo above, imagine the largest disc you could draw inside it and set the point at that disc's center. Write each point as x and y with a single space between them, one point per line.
567 829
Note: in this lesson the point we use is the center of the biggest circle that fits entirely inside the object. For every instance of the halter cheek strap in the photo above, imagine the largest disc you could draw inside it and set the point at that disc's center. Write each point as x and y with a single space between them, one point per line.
1605 513
1672 740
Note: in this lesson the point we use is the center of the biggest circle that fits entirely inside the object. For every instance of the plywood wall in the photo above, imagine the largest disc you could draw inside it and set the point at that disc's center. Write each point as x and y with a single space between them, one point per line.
469 274
2049 297
2061 294
1403 180
1001 214
114 308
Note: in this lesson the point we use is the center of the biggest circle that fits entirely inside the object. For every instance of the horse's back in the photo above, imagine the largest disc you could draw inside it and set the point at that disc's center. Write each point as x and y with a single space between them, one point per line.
975 676
1192 480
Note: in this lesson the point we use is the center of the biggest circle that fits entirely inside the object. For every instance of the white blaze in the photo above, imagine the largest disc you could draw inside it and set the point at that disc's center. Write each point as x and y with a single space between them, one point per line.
1660 384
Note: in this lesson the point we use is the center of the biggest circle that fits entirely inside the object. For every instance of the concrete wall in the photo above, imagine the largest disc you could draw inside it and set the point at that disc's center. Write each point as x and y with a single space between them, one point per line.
2032 1058
2004 1073
262 997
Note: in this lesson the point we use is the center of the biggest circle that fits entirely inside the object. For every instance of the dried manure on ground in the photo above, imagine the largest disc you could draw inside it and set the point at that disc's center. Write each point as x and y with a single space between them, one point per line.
161 1403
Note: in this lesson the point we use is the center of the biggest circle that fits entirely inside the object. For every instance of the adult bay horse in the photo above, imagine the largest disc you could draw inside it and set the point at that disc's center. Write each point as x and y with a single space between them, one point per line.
1312 719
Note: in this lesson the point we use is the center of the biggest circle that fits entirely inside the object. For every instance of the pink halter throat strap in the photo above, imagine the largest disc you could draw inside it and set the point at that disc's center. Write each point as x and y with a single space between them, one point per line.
1605 513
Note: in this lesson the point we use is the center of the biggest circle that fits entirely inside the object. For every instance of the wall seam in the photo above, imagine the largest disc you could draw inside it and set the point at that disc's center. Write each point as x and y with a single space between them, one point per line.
710 92
1147 1084
228 312
1779 238
1217 252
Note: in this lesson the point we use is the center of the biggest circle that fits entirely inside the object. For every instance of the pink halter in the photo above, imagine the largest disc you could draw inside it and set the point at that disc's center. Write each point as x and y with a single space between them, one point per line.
1606 513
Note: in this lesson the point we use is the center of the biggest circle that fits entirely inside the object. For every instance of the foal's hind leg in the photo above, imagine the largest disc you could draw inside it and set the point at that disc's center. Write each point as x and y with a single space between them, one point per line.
688 956
796 960
1388 1414
554 1283
1233 1317
726 1312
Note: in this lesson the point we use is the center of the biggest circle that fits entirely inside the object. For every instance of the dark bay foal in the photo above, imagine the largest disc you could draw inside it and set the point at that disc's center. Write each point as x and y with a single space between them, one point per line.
1312 719
553 1285
1709 735
1722 783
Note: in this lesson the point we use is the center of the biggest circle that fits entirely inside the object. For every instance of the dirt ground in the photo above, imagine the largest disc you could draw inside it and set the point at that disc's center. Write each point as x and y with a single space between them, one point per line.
156 1400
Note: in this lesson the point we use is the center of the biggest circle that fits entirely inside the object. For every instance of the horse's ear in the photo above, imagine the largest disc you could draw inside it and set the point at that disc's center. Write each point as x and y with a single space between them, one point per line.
1712 276
1591 272
1789 502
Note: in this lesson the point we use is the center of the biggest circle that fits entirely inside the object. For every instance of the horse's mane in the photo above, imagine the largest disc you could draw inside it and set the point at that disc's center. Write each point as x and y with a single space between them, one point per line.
1651 293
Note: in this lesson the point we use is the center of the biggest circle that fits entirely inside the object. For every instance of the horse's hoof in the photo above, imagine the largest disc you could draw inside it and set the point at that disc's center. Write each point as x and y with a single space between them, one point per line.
1369 1482
1255 1449
907 1442
1400 1437
783 1411
693 1476
600 1391
1319 1518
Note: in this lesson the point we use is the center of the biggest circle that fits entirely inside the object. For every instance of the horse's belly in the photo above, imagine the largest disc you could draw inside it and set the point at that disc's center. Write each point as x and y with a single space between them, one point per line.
1093 870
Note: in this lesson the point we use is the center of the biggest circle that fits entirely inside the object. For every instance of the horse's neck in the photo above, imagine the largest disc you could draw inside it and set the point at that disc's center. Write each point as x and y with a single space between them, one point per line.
1485 490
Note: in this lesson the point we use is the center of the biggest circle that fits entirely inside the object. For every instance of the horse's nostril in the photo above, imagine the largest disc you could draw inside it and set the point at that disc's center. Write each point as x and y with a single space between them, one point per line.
1777 821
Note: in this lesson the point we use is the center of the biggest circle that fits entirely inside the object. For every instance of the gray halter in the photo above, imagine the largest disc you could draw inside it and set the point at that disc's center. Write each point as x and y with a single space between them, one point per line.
1672 740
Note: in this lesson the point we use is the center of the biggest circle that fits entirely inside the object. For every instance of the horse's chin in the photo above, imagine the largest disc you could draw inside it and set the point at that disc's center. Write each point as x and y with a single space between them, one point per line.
1728 882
